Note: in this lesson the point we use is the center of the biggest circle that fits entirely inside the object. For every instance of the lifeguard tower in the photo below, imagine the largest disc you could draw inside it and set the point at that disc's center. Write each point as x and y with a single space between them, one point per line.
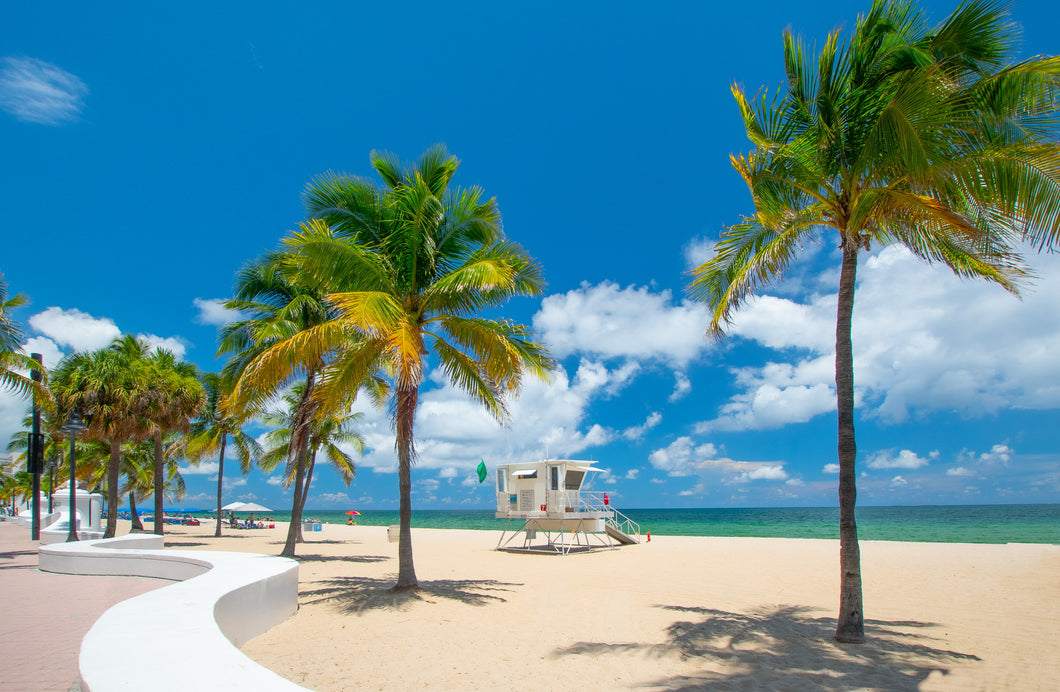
556 511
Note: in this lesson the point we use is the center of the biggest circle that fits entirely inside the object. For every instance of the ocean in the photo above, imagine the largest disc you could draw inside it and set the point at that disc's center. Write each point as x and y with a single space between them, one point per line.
930 524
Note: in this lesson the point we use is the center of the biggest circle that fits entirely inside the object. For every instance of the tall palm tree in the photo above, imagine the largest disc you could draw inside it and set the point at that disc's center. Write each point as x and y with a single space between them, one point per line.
326 433
210 434
12 360
171 396
906 135
106 385
268 352
409 267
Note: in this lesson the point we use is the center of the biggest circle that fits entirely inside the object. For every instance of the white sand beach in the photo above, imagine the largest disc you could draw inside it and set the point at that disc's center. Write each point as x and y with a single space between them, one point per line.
676 613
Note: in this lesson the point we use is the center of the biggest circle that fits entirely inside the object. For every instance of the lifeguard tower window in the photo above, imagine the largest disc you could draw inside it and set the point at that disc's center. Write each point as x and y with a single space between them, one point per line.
553 478
573 480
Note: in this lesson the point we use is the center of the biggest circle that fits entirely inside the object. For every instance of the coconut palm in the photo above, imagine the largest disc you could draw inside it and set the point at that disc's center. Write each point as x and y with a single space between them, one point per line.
268 353
12 361
106 385
409 267
171 396
906 135
326 433
210 434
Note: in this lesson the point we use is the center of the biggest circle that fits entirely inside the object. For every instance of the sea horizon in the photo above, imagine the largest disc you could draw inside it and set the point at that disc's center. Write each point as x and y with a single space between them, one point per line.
980 523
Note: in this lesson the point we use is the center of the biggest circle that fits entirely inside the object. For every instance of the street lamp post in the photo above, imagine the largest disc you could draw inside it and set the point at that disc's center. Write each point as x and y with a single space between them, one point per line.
51 481
74 425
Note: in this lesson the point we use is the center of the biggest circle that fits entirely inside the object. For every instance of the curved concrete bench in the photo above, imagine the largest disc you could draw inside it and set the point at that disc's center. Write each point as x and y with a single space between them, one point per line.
182 636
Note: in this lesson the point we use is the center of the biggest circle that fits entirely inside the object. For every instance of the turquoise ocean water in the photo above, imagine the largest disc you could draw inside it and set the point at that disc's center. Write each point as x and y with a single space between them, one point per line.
936 524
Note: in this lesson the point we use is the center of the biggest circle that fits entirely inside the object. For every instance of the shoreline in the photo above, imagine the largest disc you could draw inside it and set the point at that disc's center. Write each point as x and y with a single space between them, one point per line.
678 612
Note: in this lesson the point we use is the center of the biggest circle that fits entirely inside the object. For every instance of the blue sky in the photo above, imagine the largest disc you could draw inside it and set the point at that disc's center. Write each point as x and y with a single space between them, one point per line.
151 150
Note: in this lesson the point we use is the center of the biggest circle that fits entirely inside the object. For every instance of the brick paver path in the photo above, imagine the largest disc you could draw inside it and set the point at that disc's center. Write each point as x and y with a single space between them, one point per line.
44 616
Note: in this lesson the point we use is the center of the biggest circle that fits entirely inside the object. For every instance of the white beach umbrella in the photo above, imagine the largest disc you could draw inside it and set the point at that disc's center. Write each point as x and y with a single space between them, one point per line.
252 507
234 507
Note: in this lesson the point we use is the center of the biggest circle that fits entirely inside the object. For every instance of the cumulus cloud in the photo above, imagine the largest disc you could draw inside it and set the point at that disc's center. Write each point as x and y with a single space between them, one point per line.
830 468
684 457
637 432
682 386
205 468
608 321
213 311
454 432
78 330
173 344
960 471
35 91
923 341
905 459
333 498
698 251
899 482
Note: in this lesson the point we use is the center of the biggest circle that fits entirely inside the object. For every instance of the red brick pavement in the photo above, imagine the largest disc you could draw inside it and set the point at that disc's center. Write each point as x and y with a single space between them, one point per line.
44 616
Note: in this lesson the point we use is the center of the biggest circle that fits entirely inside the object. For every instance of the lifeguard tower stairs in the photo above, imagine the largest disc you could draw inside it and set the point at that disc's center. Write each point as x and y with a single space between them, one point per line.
554 514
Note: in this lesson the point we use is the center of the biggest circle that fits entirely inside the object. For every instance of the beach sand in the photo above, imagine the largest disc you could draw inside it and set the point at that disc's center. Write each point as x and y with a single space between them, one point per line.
676 613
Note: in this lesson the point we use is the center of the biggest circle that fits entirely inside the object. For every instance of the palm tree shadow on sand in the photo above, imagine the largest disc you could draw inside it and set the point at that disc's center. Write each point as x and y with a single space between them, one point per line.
782 647
360 594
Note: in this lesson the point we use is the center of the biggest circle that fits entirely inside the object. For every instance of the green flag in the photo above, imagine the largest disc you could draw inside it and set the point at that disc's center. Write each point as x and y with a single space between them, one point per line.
481 471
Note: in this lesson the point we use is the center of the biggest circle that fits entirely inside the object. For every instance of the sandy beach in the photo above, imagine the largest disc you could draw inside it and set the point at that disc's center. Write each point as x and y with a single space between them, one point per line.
676 613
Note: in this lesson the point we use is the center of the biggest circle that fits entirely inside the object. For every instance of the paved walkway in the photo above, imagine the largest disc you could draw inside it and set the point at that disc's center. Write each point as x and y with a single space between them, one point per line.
44 616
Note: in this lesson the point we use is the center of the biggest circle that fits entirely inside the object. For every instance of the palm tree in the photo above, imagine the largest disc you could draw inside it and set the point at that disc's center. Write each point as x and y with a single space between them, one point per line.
268 352
106 385
210 433
12 360
171 396
907 135
409 266
326 432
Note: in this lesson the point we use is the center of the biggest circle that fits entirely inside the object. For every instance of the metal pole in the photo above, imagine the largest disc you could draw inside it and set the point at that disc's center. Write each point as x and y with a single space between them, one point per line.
72 536
35 453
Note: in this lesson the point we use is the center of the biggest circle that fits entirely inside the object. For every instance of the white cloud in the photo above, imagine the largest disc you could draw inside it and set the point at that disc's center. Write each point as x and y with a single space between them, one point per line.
631 474
830 468
51 354
923 341
333 498
454 432
698 251
683 457
213 311
682 386
612 322
275 480
39 92
173 344
904 460
75 329
205 468
998 455
960 471
899 482
637 432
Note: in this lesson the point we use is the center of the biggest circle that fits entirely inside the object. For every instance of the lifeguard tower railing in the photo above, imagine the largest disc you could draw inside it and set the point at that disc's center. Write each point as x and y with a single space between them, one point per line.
592 502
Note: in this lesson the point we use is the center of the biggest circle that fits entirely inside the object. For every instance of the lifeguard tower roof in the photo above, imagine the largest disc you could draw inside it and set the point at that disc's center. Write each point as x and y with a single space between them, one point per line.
552 497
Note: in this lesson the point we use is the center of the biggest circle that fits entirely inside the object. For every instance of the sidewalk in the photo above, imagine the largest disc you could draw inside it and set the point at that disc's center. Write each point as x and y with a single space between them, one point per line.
46 615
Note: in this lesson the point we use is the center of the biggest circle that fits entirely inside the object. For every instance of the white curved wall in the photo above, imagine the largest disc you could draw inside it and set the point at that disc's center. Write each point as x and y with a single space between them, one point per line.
182 636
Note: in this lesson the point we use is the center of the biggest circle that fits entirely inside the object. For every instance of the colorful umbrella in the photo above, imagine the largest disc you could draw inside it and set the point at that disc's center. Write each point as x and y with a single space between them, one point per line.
354 513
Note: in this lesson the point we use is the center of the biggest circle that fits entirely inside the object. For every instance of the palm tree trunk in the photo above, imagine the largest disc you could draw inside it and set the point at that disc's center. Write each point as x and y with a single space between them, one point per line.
405 416
112 488
160 485
851 623
300 442
137 525
305 490
220 477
